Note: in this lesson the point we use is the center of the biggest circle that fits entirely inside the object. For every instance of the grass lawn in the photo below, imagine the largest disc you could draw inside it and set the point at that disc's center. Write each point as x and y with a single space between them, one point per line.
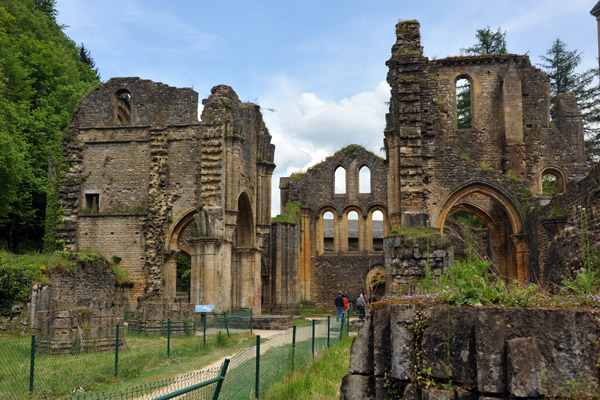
143 360
320 380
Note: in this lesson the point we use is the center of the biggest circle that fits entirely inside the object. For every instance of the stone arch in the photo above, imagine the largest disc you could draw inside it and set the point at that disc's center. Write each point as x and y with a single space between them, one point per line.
370 231
345 229
375 281
245 223
123 107
174 245
513 238
558 173
320 228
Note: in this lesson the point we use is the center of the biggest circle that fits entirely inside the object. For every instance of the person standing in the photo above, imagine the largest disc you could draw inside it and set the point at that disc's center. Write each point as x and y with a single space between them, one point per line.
339 305
361 303
346 302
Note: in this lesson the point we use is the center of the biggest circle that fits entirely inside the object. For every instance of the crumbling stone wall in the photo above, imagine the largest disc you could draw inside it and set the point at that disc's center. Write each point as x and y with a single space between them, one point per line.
322 272
558 229
487 352
147 181
435 170
80 308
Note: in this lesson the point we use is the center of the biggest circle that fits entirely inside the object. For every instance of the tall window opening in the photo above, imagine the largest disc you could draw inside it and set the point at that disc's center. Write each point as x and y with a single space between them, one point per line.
464 115
377 224
340 181
328 231
364 180
352 231
123 107
184 273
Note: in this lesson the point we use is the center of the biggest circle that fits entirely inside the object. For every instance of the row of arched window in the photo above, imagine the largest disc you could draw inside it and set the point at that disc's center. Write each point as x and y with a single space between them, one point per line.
364 180
351 231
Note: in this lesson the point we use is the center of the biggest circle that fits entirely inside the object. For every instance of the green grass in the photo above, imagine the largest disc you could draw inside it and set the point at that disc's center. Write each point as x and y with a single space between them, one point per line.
143 360
321 380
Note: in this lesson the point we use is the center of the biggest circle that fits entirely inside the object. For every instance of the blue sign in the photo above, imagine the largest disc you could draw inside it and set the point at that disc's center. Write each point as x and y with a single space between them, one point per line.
204 308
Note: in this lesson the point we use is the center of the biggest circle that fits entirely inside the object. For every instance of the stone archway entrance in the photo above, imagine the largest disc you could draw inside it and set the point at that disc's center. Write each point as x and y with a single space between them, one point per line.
499 213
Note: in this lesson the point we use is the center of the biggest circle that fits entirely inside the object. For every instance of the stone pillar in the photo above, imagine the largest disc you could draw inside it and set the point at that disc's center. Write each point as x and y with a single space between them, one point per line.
209 282
170 277
305 252
512 98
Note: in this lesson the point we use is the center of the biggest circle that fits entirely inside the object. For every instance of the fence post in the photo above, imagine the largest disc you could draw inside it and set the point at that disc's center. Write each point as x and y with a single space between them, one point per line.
313 338
293 346
32 365
204 328
222 376
342 327
257 364
226 324
328 325
117 351
348 325
169 338
251 313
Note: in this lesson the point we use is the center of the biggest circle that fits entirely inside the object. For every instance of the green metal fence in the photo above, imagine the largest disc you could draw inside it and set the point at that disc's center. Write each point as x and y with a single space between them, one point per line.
254 369
37 367
30 369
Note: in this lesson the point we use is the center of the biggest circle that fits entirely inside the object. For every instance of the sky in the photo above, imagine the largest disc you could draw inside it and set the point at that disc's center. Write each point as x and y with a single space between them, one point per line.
316 67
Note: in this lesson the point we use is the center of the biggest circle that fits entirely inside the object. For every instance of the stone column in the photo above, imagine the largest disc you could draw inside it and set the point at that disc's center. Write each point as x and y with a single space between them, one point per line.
305 252
170 277
209 285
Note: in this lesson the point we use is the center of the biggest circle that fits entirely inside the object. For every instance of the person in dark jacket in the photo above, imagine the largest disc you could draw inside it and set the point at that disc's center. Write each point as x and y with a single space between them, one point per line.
339 306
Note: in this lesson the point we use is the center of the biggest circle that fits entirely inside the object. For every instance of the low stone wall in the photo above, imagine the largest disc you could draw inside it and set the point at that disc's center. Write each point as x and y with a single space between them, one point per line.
484 352
272 322
406 259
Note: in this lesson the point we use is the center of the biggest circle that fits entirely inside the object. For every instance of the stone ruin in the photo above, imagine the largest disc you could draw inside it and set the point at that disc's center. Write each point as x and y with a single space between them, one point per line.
149 182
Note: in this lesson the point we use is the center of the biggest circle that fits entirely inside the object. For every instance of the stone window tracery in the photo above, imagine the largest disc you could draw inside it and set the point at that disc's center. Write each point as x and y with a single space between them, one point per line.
123 107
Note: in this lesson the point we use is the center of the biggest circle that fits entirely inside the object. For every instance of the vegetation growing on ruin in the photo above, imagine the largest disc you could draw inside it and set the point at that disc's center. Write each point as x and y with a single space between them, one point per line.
291 212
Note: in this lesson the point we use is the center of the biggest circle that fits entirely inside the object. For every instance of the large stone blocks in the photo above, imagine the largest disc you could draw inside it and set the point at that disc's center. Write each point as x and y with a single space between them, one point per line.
486 351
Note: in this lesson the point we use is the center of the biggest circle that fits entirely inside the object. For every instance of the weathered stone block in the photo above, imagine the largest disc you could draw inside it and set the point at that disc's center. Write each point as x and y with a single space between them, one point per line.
358 387
402 342
361 359
525 367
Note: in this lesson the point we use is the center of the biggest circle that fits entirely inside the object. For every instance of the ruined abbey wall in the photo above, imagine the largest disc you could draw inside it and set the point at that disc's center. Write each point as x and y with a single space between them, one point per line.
329 262
148 181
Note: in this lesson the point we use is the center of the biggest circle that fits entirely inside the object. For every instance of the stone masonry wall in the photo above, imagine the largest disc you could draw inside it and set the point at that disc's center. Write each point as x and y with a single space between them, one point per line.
557 228
80 308
406 259
332 273
407 352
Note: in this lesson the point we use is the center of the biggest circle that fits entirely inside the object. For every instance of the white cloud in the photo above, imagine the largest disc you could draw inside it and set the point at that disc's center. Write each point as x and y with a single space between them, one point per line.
306 129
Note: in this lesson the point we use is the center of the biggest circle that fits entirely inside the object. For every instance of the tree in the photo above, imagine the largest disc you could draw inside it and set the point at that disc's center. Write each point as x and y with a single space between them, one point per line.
560 64
488 42
86 58
41 82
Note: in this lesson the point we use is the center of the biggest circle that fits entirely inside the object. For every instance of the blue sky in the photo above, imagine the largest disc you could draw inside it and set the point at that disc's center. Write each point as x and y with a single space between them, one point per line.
319 65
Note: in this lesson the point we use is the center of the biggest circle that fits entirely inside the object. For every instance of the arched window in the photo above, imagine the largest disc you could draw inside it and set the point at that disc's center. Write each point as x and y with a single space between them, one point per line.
464 115
123 107
353 231
340 181
364 180
328 231
553 181
377 224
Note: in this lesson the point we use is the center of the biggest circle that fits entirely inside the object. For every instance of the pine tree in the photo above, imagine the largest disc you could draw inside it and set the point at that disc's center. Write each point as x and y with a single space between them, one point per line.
560 65
488 42
86 58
